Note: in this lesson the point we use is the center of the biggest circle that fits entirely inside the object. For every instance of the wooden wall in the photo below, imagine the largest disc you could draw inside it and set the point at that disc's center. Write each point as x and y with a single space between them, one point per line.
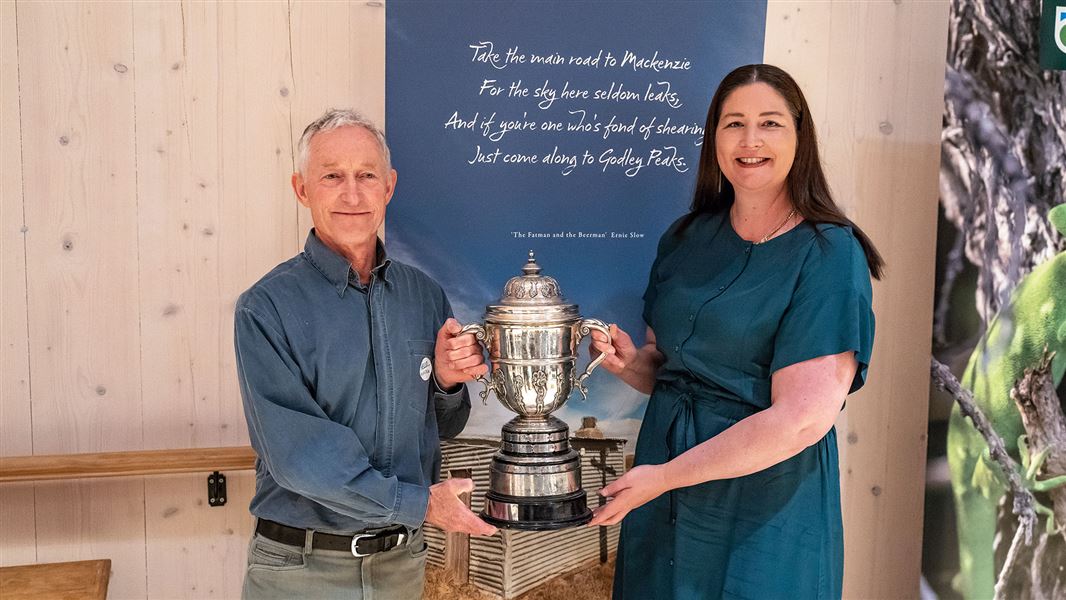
873 73
144 183
147 149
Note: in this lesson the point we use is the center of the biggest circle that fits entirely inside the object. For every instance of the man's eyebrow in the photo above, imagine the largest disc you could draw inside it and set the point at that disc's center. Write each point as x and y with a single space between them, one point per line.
333 164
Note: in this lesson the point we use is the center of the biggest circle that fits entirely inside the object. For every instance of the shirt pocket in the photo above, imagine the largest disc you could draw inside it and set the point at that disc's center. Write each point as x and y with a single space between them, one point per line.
421 366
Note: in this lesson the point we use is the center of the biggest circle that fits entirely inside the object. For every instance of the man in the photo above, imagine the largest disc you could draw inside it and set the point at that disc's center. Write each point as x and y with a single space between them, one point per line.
350 369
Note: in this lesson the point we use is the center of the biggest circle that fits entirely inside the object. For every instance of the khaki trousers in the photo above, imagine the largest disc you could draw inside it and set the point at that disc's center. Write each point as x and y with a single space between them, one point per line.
278 571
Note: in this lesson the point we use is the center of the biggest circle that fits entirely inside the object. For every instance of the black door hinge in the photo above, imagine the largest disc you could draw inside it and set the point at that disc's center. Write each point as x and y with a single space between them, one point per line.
216 489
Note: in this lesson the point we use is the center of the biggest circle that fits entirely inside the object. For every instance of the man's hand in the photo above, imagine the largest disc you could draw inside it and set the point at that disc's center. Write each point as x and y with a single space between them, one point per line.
449 513
456 358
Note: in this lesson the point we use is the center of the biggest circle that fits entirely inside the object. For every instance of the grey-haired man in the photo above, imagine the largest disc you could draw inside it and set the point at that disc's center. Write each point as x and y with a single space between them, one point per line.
351 369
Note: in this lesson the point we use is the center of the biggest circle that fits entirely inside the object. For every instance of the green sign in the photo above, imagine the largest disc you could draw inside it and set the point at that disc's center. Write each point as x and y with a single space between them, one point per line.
1053 35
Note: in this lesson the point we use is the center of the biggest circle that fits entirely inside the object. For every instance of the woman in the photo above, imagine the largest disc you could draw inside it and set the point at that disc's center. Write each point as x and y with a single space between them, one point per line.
759 325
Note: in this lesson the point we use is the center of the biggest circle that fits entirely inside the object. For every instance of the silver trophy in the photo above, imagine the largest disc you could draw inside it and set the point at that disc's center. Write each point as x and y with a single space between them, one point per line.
532 337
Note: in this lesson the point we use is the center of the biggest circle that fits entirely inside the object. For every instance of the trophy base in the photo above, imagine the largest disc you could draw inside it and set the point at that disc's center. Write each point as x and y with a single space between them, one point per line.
536 514
535 478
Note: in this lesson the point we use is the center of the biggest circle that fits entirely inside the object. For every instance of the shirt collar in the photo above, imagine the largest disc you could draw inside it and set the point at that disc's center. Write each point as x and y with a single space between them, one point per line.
336 268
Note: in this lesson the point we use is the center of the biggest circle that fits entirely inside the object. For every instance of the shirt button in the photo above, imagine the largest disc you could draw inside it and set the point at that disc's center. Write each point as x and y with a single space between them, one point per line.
748 249
671 562
677 348
721 288
691 317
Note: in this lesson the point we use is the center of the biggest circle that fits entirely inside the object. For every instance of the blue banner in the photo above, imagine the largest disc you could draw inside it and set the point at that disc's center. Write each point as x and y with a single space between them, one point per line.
569 128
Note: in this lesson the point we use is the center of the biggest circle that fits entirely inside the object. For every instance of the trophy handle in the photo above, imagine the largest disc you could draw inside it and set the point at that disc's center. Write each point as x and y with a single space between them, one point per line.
584 328
482 337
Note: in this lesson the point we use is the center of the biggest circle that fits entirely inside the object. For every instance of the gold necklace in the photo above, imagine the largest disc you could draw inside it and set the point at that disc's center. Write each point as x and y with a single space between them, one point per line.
766 237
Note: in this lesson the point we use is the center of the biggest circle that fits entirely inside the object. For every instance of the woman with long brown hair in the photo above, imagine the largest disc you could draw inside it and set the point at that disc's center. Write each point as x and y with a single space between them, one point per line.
759 319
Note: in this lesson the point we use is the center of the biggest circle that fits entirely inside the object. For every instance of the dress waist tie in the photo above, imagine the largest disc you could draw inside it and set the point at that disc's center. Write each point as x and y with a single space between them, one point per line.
681 431
680 436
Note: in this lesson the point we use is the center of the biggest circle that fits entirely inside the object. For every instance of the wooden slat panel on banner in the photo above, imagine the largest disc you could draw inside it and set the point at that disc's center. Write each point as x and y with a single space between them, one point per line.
16 433
879 128
77 95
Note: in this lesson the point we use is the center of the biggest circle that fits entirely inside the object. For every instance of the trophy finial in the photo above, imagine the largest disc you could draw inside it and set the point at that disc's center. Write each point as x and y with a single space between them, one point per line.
531 267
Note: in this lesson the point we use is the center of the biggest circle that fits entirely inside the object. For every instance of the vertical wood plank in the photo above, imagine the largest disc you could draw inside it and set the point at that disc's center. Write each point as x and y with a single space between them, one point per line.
896 177
16 501
195 550
797 40
79 171
85 520
77 117
879 129
192 550
258 223
178 221
456 544
338 61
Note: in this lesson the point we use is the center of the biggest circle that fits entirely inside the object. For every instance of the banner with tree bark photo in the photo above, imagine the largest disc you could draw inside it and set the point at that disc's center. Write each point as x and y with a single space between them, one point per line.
1000 317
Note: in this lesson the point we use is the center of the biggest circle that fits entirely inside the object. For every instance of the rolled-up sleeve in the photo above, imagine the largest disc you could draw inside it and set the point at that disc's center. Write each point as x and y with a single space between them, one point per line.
303 450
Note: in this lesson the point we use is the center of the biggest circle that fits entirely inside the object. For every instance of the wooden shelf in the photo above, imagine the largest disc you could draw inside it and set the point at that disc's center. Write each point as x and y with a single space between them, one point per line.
86 579
125 464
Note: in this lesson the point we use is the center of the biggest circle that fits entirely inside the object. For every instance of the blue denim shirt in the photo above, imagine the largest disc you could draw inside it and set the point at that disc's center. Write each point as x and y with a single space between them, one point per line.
344 419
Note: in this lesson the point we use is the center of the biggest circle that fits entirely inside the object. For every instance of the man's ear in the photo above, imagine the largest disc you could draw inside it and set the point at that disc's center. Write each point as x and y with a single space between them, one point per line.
298 187
390 185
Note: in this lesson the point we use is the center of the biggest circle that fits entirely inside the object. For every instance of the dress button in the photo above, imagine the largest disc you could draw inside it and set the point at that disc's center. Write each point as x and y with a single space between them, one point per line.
721 288
691 317
677 348
671 562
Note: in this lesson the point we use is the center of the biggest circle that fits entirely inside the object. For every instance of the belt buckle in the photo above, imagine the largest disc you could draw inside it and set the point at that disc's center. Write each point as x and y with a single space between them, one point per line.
400 537
355 541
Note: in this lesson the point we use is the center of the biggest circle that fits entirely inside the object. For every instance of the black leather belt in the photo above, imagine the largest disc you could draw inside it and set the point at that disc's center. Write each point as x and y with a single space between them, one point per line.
360 544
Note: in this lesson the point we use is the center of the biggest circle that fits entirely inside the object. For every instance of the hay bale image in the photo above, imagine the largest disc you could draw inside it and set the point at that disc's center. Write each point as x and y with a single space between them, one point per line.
514 562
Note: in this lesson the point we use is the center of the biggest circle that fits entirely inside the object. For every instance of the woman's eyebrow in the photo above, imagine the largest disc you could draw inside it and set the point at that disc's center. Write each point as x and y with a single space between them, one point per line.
764 114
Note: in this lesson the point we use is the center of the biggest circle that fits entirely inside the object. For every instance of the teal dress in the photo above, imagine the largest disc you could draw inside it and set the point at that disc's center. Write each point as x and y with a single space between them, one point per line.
727 313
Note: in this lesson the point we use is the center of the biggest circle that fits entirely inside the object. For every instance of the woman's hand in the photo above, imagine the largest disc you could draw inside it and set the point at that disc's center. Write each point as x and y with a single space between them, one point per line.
638 486
635 366
620 350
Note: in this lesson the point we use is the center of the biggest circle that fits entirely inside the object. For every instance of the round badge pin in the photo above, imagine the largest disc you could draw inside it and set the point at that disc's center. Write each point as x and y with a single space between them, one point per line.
425 369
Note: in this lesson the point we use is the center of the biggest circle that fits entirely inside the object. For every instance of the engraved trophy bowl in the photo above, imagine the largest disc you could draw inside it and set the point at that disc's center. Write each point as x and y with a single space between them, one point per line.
532 336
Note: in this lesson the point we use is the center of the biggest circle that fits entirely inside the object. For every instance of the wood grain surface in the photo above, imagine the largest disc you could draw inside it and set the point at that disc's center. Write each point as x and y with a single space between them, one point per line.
79 580
125 464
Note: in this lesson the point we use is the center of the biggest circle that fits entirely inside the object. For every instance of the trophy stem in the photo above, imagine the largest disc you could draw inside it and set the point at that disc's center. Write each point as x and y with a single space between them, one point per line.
535 478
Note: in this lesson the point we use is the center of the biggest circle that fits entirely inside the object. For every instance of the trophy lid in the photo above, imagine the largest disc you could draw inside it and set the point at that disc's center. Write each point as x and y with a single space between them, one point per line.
531 296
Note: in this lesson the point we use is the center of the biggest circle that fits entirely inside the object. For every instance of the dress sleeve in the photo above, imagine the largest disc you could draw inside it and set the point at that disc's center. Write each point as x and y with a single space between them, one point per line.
831 308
